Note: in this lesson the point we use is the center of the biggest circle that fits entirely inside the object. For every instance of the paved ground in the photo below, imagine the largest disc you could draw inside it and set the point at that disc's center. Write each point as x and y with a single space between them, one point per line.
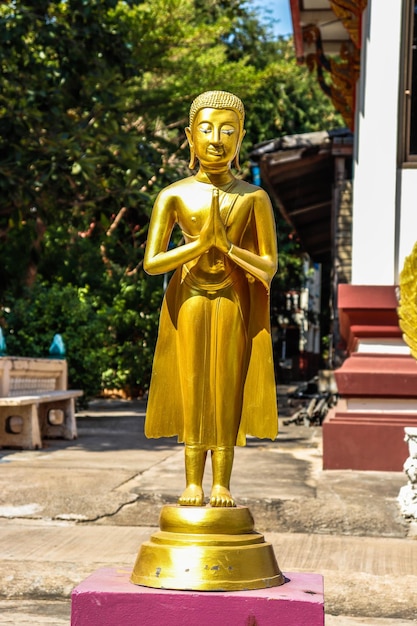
73 507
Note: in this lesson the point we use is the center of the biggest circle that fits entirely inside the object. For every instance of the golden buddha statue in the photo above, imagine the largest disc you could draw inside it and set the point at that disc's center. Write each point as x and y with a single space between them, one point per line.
213 377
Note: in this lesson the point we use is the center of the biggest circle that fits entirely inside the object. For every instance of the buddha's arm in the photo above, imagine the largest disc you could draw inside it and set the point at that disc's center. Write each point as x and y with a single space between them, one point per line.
158 259
263 265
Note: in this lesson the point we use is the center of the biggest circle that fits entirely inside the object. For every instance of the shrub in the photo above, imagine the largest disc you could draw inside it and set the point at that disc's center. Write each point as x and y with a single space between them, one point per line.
109 345
43 310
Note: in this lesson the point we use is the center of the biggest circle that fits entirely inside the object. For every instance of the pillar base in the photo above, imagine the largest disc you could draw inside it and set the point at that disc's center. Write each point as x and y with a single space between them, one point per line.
365 441
377 385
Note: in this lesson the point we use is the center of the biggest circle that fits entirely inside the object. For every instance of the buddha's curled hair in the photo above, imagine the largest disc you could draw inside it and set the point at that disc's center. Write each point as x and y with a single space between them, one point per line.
218 100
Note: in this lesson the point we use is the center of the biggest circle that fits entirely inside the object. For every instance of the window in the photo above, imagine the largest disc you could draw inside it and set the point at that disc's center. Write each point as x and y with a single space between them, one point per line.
409 135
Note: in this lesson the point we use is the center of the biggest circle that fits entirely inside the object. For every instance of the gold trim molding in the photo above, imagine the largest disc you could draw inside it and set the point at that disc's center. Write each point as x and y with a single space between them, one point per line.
349 12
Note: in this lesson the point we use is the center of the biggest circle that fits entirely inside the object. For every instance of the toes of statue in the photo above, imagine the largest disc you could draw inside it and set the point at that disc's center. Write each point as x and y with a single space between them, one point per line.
220 496
192 496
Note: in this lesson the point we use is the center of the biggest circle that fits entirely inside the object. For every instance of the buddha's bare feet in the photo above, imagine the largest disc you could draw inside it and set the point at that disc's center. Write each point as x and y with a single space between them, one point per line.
192 496
221 496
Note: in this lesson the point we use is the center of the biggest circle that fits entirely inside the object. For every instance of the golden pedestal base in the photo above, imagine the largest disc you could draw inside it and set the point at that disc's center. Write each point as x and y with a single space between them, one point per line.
206 549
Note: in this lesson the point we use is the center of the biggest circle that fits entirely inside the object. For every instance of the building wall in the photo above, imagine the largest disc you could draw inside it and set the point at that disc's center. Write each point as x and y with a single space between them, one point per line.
374 246
377 382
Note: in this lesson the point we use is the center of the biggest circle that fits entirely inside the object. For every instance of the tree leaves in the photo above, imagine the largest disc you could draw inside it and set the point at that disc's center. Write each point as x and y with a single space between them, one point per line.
93 100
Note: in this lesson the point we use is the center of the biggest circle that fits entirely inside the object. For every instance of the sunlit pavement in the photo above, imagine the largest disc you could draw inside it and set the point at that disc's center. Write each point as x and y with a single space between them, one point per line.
75 506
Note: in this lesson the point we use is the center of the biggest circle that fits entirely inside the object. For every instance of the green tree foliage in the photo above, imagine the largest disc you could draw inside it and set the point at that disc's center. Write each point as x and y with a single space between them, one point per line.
93 100
294 103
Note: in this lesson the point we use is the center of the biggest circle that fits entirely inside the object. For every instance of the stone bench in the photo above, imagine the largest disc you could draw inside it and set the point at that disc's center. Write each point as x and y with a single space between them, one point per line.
35 403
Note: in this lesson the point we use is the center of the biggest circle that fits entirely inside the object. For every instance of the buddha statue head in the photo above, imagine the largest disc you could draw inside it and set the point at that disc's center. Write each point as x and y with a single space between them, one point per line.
221 101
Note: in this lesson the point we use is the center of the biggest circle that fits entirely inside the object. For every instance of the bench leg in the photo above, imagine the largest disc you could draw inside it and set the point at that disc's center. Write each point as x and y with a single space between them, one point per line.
66 430
29 438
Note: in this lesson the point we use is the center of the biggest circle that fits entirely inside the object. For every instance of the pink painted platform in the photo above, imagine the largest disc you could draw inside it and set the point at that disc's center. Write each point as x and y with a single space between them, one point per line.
107 598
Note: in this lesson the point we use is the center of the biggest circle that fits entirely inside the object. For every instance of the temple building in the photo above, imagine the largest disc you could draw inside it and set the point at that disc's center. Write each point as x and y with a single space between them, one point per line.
365 57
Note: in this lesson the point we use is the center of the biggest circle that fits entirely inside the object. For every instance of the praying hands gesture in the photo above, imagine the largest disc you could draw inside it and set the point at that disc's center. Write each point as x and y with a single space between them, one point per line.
213 234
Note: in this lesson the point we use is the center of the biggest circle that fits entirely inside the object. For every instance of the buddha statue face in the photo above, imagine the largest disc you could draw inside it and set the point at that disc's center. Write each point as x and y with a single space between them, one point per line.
216 130
215 138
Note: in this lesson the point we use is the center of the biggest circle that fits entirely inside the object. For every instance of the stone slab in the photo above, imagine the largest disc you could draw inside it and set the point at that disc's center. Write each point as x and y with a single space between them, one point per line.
107 597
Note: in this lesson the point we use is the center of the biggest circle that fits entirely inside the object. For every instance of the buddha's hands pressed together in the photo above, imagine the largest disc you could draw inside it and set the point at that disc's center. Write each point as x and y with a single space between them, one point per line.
213 234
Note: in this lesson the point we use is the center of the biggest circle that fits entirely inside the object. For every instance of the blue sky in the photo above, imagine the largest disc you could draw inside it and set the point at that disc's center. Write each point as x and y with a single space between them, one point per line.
279 11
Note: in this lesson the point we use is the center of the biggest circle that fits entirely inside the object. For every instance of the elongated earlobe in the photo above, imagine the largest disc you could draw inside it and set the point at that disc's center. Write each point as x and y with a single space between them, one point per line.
235 162
193 161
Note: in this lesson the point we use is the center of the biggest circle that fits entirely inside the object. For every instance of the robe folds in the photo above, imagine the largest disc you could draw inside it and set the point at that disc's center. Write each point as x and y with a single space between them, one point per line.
165 411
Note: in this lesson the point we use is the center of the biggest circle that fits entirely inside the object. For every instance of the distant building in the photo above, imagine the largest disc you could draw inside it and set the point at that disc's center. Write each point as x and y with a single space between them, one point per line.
309 177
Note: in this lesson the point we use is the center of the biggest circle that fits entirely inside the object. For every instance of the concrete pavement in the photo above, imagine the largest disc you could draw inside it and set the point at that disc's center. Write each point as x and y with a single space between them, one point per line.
73 507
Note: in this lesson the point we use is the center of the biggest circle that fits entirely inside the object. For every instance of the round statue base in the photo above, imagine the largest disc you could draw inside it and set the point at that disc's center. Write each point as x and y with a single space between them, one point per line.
206 549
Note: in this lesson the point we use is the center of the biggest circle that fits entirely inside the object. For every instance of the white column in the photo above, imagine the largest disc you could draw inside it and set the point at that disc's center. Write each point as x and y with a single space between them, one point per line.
375 168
